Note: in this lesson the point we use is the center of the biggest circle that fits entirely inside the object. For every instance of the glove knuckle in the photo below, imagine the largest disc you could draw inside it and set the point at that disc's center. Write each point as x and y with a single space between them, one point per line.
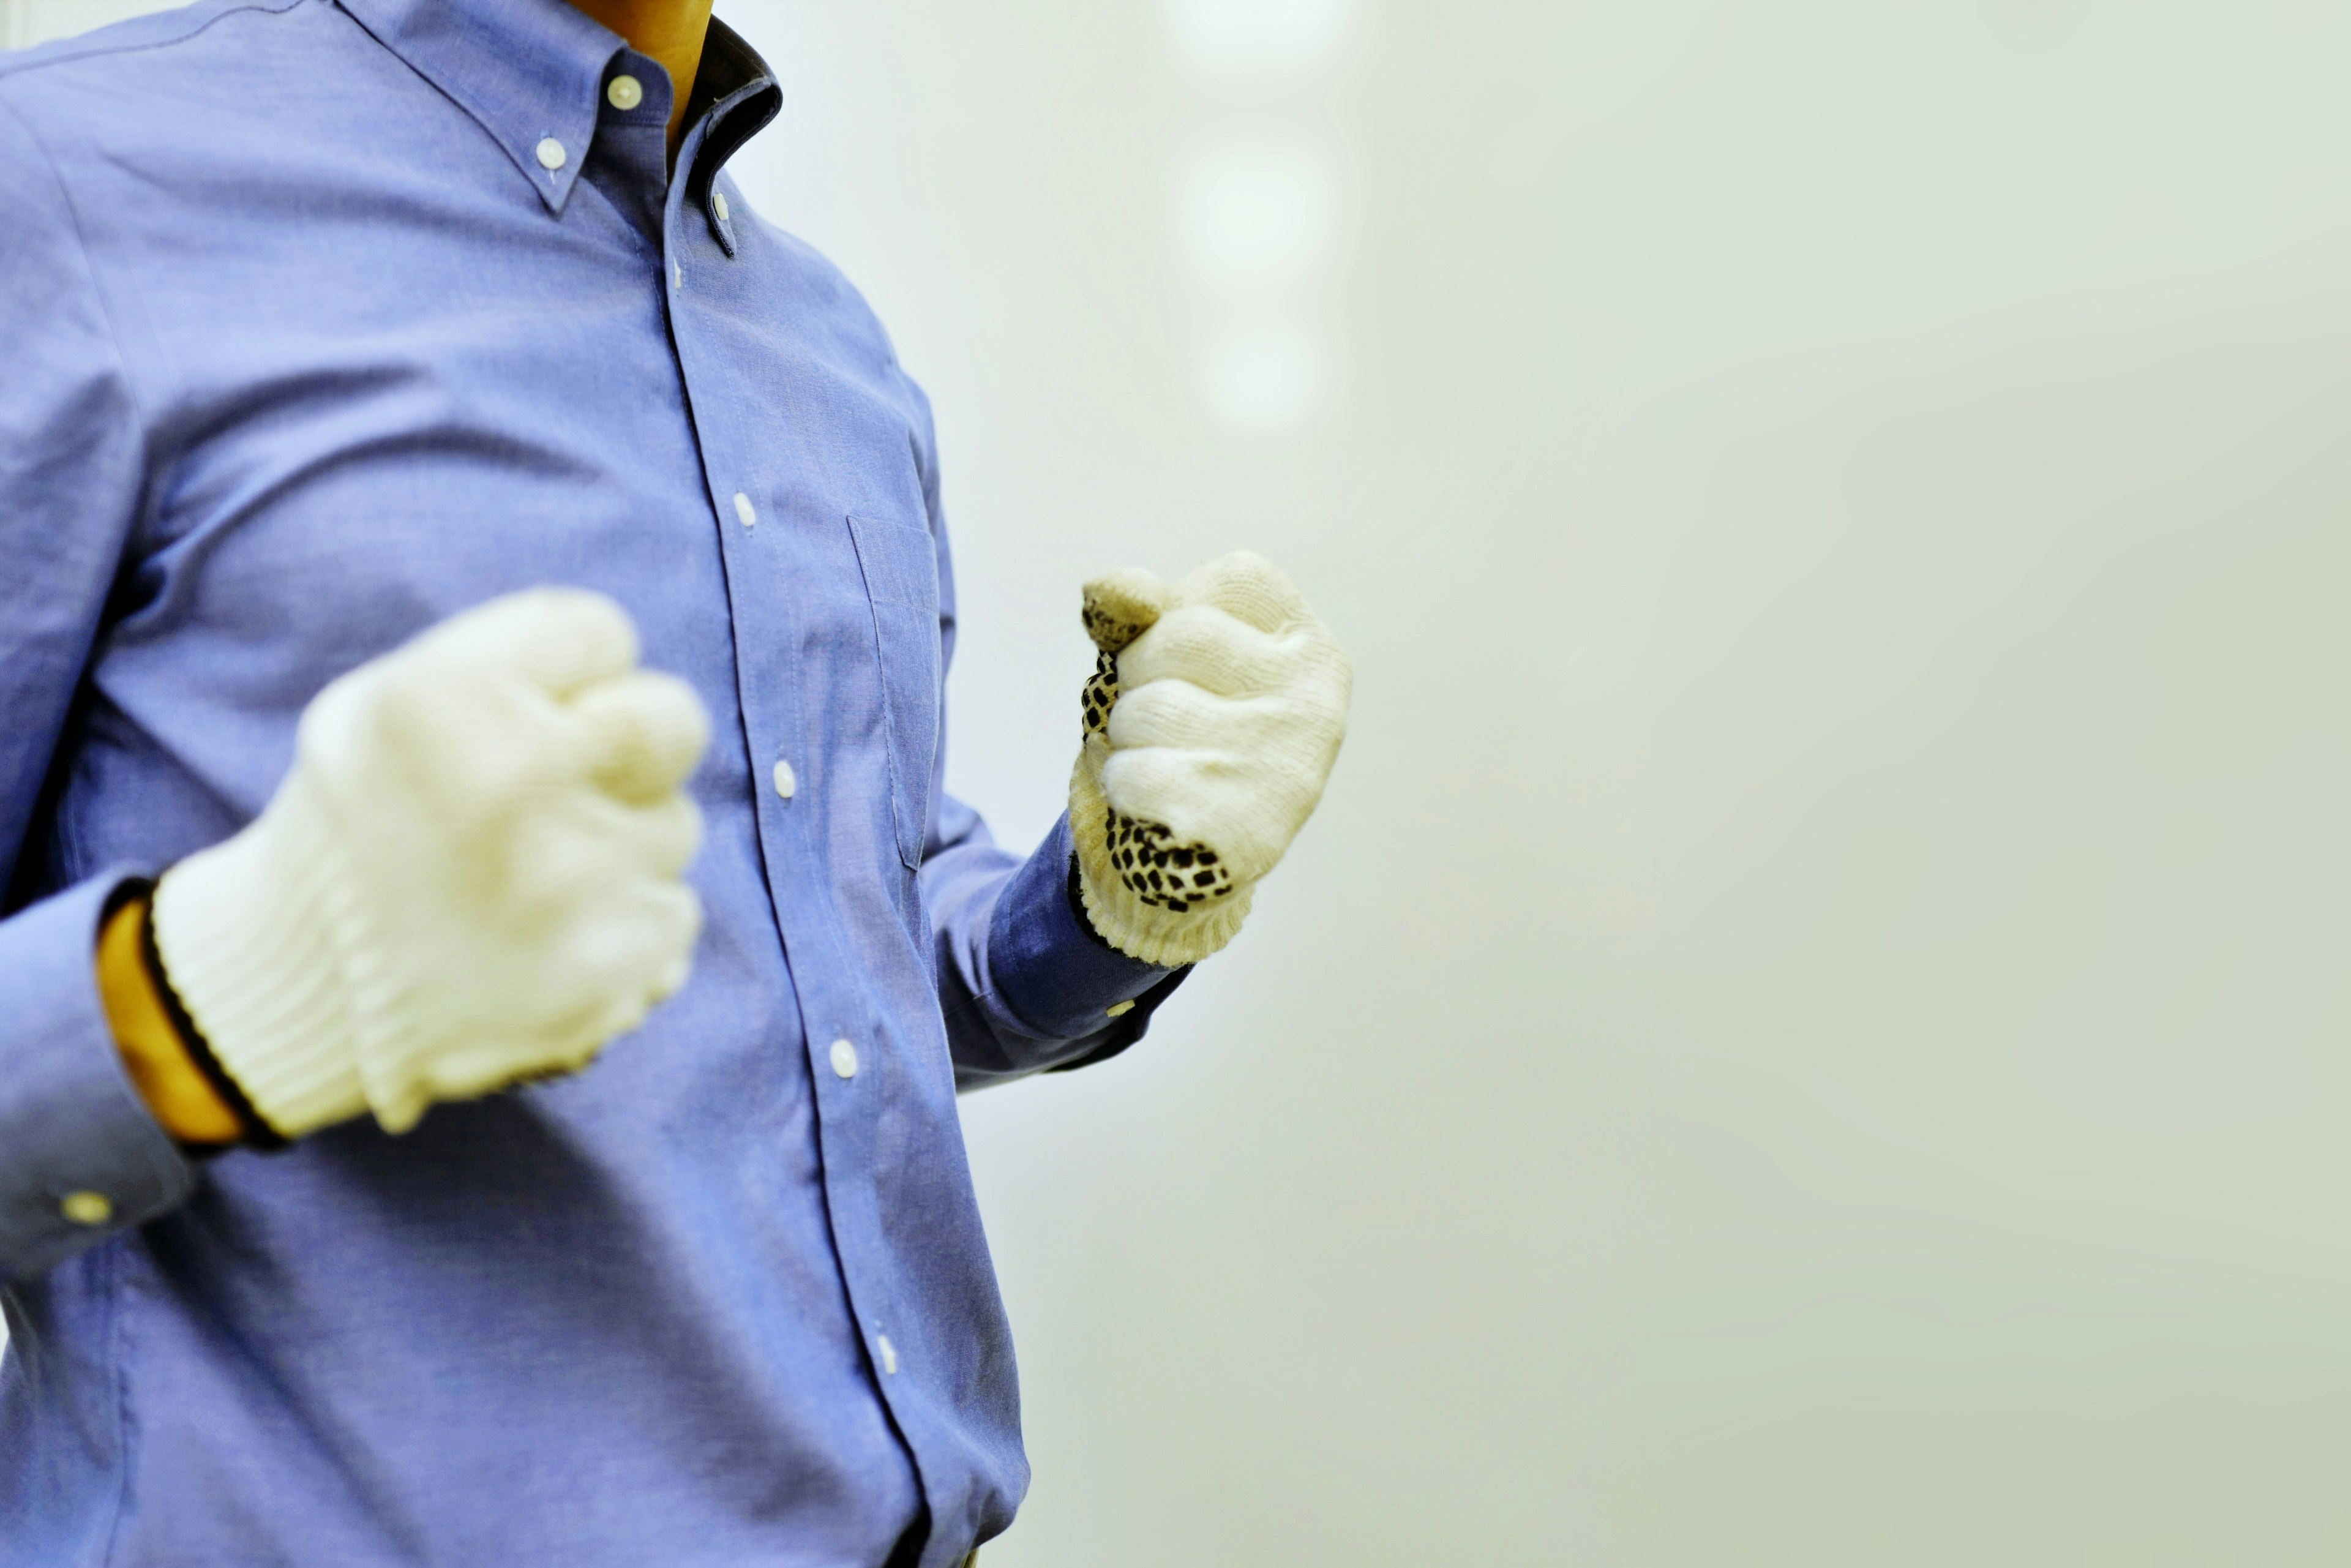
555 614
416 718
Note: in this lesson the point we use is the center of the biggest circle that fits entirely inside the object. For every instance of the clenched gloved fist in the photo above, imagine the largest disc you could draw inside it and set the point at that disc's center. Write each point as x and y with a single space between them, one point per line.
471 874
1215 712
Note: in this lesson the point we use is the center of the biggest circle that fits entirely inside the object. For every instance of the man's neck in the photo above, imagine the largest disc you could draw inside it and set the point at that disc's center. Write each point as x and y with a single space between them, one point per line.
670 31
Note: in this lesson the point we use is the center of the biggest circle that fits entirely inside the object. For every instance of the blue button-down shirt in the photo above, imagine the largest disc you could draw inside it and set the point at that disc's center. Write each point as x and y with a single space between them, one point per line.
319 322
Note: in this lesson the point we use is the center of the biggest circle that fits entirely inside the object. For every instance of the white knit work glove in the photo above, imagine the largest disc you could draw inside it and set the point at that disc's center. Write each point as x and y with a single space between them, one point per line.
469 876
1215 712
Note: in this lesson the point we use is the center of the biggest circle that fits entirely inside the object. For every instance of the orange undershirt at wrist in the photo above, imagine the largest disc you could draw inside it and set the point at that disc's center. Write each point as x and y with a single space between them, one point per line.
154 1056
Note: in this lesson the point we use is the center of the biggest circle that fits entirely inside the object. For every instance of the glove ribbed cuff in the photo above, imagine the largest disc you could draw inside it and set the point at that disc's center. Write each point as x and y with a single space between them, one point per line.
245 932
1137 929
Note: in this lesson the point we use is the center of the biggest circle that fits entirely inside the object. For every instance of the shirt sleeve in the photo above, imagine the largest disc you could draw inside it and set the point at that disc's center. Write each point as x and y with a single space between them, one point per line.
79 1155
1024 984
83 1155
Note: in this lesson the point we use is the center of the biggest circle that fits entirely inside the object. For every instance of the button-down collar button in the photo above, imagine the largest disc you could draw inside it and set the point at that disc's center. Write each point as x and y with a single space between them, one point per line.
624 92
718 205
745 513
786 784
889 1354
90 1208
551 154
677 276
1118 1010
844 1059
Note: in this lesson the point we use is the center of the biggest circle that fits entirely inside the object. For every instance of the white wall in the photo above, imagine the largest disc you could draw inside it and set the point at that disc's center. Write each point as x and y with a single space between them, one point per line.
1809 1029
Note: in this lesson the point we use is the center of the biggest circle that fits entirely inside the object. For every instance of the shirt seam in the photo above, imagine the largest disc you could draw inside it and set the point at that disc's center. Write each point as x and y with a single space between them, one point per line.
165 1178
24 67
125 1422
90 277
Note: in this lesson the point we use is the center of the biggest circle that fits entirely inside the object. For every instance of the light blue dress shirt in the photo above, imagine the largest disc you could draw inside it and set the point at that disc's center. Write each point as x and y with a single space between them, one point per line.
319 322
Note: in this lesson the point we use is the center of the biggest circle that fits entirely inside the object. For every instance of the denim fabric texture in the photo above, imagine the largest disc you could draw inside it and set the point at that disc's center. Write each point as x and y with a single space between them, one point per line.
325 321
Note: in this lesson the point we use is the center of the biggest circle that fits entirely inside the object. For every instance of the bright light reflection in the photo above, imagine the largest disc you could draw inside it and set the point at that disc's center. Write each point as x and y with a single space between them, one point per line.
1259 215
1254 37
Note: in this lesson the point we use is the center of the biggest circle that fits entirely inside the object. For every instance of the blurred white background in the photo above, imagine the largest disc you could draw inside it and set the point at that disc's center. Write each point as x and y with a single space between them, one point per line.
1810 1029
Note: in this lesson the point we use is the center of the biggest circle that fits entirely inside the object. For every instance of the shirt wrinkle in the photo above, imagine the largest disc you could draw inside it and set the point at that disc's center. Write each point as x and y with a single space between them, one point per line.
629 1316
81 252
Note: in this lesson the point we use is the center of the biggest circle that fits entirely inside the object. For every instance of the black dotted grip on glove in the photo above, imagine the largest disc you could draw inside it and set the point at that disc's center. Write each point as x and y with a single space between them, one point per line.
1154 865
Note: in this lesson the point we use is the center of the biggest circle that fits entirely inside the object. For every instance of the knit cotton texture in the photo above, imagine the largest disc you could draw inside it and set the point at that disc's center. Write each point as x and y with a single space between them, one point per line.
1213 717
470 876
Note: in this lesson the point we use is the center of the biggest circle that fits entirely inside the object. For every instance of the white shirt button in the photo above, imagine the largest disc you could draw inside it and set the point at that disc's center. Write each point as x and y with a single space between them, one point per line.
551 154
624 92
889 1354
844 1059
1118 1010
745 513
718 205
786 784
91 1208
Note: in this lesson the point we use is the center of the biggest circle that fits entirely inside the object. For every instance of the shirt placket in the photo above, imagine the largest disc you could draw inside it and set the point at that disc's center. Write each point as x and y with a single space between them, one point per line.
840 1036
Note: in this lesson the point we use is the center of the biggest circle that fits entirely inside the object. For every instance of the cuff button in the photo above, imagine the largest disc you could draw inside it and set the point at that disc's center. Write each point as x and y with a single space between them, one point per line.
91 1208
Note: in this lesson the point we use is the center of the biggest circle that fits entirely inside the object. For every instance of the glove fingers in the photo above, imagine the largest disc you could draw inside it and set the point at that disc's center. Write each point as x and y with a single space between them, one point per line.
644 734
663 837
647 946
560 639
1159 784
1207 647
678 913
615 968
1122 606
1248 587
636 951
578 857
1171 712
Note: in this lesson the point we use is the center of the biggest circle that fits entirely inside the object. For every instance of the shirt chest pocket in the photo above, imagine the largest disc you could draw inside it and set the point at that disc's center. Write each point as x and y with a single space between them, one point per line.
902 586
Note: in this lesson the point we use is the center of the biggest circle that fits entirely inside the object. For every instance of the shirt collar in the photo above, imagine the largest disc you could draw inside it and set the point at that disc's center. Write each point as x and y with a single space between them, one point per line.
735 96
531 72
